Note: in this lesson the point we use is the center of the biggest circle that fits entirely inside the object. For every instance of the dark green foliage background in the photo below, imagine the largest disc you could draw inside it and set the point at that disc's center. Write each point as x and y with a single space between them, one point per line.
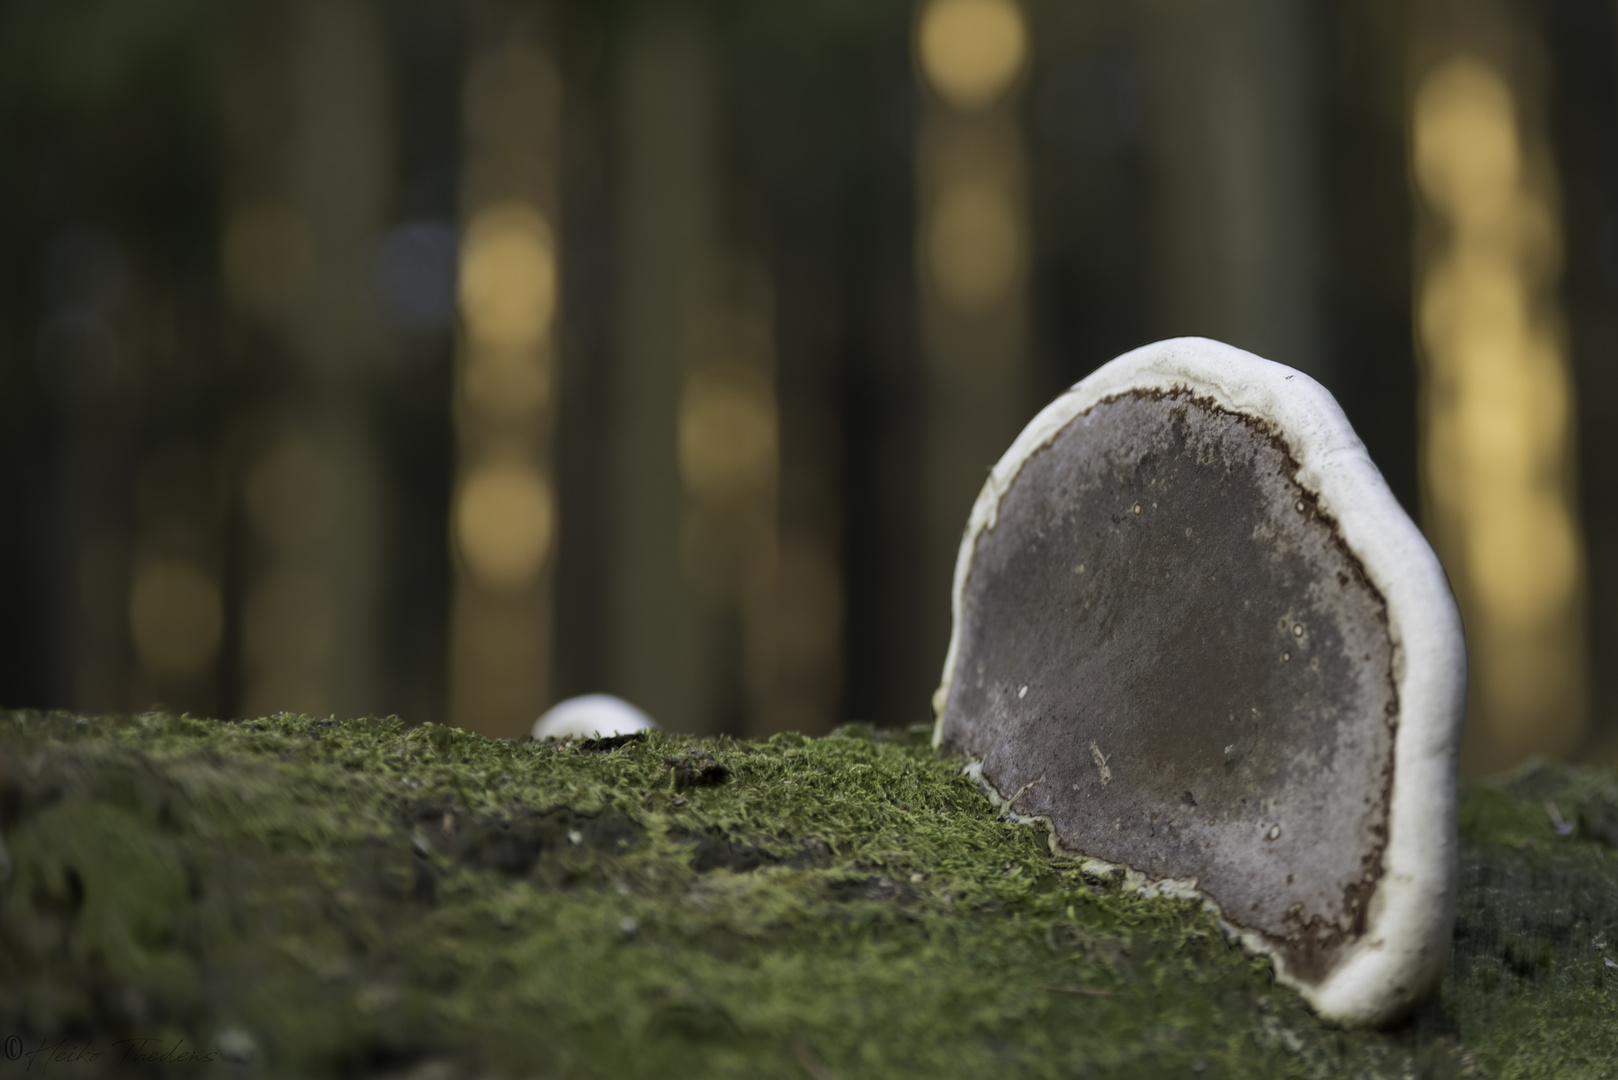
299 897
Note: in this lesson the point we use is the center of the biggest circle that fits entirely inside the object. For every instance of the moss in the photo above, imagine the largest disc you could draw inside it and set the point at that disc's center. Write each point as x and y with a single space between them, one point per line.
1533 980
322 898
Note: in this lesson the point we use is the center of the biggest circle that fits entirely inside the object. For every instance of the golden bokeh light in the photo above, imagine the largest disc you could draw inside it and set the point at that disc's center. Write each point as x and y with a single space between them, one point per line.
504 520
268 258
176 617
503 512
508 276
974 244
972 233
1497 408
1468 159
972 50
727 435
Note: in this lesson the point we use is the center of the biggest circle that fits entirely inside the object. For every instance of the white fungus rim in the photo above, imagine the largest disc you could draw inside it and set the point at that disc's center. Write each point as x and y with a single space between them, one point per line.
1402 953
591 716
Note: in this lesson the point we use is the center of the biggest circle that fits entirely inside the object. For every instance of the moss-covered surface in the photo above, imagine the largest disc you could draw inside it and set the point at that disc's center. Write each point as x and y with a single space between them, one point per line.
300 897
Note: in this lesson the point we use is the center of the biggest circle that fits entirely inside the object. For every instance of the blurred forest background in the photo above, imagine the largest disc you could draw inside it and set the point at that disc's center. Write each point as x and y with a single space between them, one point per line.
446 358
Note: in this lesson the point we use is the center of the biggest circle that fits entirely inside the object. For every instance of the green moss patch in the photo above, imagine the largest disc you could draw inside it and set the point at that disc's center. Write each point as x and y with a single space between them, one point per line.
1533 979
300 897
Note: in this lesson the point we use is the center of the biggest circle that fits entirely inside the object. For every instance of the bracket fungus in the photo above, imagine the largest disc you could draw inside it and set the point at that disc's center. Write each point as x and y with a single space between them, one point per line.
591 716
1196 635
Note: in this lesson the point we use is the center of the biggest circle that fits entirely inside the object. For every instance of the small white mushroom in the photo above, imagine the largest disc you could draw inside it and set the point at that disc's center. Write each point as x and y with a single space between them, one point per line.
591 716
1165 652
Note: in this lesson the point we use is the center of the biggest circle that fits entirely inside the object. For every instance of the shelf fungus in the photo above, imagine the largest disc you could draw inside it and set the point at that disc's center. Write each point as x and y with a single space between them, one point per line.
591 716
1197 637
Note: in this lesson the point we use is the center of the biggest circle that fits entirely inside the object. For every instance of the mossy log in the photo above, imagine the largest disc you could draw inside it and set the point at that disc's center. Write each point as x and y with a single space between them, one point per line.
304 897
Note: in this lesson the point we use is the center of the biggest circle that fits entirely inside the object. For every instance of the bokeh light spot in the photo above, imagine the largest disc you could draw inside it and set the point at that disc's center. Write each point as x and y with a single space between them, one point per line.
972 50
1467 157
504 518
1498 407
508 276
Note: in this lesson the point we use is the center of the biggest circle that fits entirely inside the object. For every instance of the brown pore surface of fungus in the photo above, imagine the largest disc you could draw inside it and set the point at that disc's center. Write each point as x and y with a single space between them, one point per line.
1167 650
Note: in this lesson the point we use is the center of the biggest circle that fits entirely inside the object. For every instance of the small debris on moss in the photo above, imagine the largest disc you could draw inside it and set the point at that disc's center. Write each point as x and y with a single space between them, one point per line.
696 768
